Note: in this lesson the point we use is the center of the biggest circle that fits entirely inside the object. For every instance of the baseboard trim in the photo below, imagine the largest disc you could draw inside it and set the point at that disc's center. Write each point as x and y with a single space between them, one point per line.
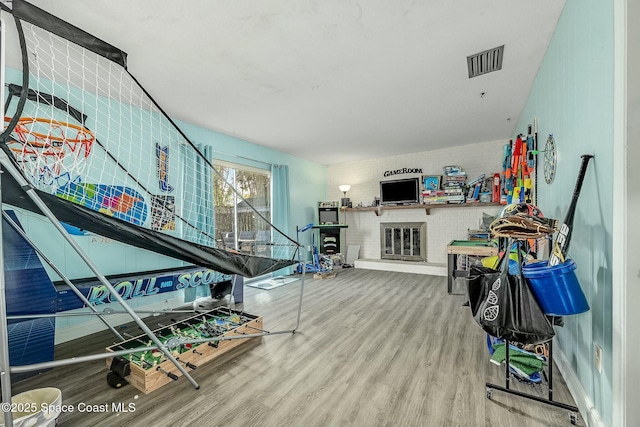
417 267
585 405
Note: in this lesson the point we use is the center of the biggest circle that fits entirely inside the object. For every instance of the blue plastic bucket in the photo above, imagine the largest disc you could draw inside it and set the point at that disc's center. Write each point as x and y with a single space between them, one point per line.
556 288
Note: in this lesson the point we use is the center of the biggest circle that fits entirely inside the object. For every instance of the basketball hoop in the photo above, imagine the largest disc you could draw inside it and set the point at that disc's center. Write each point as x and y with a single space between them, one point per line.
43 144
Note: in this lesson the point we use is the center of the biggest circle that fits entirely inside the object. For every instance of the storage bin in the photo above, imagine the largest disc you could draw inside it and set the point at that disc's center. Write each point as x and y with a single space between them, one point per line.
556 288
31 403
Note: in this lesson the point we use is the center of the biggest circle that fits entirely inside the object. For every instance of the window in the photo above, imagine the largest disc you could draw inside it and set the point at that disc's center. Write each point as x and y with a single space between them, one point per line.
237 225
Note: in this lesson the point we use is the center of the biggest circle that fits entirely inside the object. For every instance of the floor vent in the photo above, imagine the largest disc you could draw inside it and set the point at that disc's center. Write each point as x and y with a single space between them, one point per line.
485 62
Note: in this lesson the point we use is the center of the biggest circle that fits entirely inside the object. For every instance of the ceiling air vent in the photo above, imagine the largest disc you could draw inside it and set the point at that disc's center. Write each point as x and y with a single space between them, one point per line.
485 62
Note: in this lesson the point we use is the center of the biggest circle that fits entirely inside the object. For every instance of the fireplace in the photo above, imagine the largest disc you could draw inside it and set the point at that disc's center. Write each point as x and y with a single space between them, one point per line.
406 241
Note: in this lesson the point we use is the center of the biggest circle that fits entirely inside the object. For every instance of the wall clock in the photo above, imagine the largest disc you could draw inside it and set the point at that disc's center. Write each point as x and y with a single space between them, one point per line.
550 159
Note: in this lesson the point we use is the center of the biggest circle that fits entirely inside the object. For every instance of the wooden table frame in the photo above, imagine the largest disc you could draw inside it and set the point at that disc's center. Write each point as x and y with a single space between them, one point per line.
452 257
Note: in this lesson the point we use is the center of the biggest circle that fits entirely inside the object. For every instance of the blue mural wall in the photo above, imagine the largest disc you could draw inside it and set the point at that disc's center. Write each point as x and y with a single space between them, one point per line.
28 290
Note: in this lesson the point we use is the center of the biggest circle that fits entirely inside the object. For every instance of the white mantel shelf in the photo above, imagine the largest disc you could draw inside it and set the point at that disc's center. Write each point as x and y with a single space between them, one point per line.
427 207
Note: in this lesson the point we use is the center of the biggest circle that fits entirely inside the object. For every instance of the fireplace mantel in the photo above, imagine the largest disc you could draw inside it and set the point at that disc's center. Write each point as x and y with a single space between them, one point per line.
427 207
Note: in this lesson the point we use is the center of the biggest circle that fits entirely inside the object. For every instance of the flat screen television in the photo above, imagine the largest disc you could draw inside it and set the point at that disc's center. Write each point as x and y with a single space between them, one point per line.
328 215
400 191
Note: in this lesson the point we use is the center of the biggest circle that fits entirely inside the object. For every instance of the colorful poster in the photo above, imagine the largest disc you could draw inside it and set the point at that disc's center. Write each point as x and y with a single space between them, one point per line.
114 200
162 162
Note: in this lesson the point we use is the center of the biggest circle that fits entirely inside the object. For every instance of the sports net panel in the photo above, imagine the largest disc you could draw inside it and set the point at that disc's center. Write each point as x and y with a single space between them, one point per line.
88 133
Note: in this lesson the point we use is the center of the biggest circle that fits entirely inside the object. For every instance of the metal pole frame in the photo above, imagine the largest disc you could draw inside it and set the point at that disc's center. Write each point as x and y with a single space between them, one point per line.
5 376
26 186
92 357
5 367
73 287
6 163
93 313
98 356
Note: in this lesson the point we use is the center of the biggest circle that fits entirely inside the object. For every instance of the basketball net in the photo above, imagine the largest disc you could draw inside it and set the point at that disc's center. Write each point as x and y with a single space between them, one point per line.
52 152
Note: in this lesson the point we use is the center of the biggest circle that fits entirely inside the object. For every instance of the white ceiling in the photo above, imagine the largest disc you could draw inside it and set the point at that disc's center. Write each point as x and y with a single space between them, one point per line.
331 81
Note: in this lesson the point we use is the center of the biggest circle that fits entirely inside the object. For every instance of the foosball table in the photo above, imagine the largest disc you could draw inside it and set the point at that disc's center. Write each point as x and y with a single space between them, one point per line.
149 370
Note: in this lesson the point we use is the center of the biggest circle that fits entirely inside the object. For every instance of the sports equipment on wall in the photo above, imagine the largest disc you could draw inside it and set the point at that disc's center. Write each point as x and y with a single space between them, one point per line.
560 246
519 169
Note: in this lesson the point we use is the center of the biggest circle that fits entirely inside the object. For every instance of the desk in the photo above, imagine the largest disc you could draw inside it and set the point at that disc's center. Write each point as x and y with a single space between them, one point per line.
465 247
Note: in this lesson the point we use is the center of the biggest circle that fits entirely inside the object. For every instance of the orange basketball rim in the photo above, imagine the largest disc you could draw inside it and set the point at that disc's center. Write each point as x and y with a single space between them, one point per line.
41 136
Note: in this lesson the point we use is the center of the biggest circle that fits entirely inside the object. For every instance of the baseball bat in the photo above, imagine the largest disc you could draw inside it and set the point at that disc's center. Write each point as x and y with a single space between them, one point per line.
561 243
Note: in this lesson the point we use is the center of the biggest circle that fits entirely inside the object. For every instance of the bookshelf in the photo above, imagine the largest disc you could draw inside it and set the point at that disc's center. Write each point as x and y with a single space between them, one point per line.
427 207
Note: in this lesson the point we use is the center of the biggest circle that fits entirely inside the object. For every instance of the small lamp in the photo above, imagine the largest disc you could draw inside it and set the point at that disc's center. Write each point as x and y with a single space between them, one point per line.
345 200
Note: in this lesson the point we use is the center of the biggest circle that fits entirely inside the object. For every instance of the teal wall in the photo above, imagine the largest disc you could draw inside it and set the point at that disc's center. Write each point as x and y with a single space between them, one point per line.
572 98
307 180
307 183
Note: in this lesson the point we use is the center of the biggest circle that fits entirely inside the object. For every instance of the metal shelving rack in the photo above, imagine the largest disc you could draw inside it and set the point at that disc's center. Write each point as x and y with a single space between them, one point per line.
573 411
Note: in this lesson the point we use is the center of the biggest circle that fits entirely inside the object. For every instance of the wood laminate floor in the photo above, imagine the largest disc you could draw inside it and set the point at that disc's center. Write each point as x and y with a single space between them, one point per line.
373 348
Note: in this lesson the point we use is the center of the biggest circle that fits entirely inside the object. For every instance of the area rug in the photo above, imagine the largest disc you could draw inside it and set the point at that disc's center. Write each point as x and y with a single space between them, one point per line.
272 283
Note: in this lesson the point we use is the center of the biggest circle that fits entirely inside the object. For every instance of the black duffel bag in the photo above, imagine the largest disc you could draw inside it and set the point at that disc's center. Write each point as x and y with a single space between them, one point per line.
504 306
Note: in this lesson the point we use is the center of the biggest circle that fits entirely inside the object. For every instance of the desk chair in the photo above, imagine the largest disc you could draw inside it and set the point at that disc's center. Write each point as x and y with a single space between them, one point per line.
229 240
246 240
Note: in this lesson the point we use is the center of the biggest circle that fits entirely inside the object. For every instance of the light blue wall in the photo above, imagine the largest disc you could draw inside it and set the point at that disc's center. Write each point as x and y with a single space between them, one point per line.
307 187
572 97
307 180
110 256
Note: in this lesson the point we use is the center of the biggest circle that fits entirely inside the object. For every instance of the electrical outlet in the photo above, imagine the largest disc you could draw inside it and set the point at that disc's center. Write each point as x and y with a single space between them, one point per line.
598 358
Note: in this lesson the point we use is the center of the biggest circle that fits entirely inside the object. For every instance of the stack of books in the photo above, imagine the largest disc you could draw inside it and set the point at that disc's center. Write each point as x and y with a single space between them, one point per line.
454 184
430 197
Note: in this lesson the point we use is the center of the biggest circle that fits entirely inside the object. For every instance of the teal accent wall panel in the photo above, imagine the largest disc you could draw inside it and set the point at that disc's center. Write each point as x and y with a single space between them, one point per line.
572 98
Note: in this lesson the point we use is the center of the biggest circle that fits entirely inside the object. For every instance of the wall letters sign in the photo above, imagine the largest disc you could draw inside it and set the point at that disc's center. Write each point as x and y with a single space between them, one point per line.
403 170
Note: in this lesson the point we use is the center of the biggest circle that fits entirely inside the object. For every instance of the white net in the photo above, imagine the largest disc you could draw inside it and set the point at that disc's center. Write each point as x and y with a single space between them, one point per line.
89 133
